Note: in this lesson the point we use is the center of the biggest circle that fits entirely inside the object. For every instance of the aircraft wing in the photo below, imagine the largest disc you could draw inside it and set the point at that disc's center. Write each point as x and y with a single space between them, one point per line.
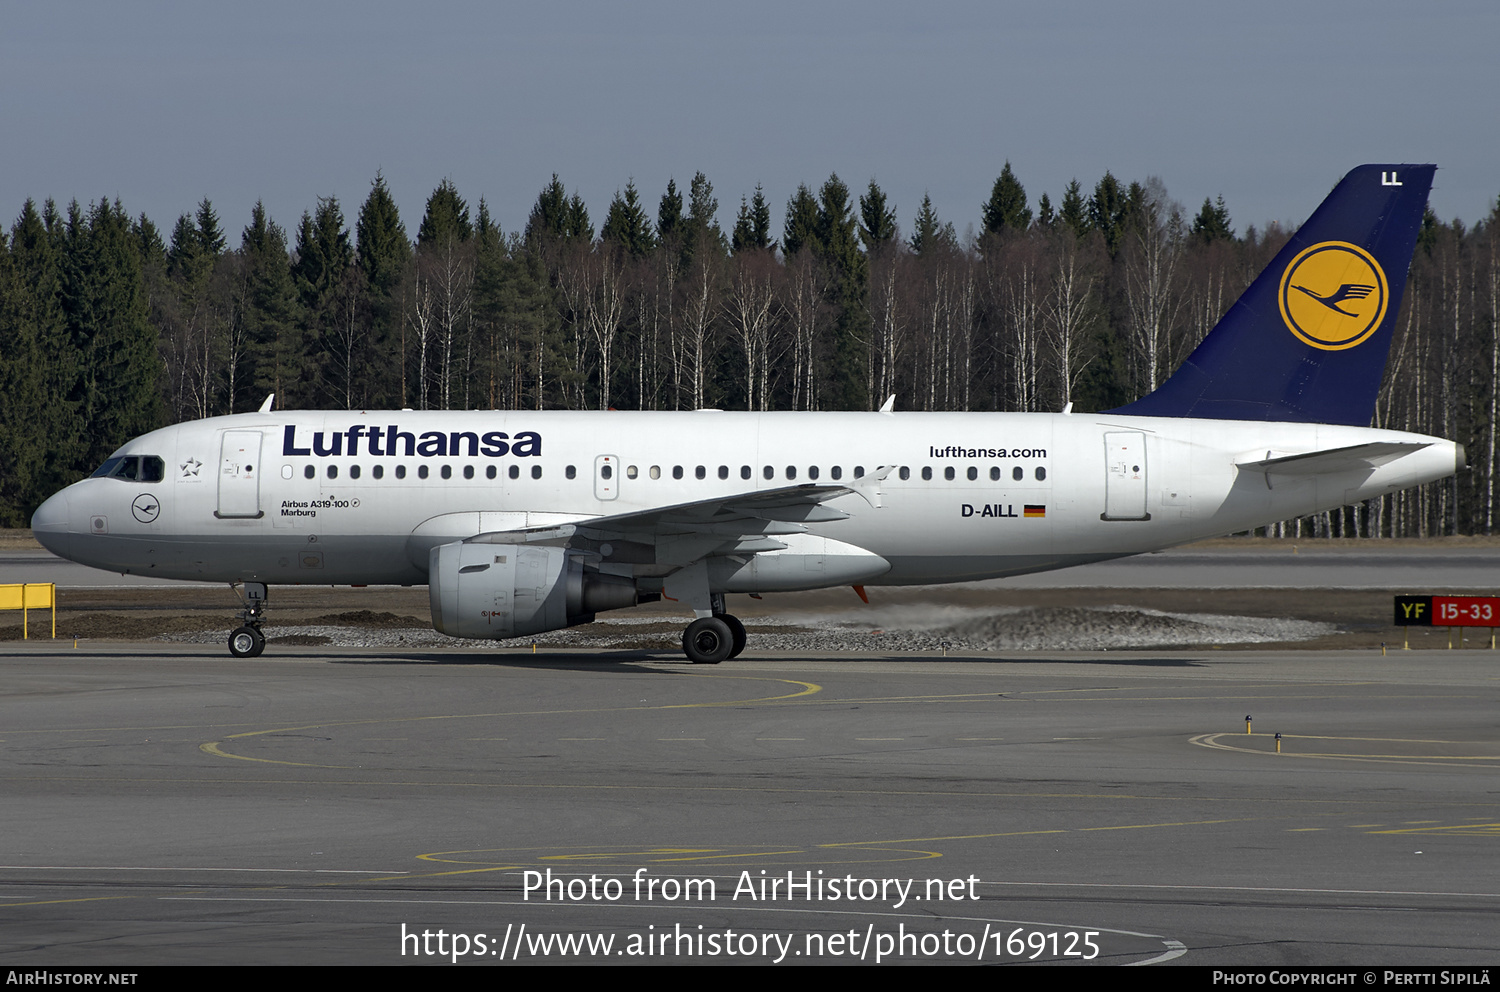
677 535
1352 458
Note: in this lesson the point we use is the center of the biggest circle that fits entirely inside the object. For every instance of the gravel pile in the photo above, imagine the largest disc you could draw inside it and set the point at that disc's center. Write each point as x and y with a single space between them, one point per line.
897 629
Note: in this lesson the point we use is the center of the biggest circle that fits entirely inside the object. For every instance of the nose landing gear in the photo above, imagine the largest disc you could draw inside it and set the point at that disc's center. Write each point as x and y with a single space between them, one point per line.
247 641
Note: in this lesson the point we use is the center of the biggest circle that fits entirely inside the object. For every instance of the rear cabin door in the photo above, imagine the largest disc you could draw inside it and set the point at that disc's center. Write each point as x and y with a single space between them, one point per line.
1125 476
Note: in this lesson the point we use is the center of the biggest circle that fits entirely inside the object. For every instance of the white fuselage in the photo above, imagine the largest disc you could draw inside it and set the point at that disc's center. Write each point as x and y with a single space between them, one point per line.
335 498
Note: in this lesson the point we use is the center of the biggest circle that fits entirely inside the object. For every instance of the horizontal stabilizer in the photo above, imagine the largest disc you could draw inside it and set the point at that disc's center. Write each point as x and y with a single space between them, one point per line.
1354 458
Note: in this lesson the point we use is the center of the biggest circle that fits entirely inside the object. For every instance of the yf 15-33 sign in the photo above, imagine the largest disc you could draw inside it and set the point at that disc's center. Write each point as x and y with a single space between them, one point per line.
1447 611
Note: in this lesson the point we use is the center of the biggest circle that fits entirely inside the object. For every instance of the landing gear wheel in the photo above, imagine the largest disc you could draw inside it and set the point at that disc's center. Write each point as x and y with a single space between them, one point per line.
246 642
736 631
707 641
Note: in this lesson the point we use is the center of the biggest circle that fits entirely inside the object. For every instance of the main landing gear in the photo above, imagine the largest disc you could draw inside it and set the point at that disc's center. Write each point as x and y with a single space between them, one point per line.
712 639
247 641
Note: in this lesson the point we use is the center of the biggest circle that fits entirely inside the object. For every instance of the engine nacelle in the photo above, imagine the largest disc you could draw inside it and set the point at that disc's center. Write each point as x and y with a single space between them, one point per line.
509 590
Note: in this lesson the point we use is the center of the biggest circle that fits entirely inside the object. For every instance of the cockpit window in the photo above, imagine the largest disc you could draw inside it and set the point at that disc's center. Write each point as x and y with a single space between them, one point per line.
133 468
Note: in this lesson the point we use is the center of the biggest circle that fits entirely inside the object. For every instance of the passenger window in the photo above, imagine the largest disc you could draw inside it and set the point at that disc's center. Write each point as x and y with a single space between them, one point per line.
606 471
378 471
927 474
353 471
837 472
723 471
515 471
309 472
769 472
744 471
536 471
676 471
333 471
421 471
1041 474
1018 473
631 472
948 473
791 471
859 471
468 471
812 471
656 471
571 472
400 471
973 473
995 473
905 472
701 472
489 472
447 471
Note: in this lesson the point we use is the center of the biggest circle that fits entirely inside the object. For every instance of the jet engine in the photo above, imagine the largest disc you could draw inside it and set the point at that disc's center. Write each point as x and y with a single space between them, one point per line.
507 590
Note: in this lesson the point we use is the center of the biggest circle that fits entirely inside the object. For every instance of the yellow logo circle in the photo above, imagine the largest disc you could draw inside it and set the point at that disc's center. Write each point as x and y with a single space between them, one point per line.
1333 296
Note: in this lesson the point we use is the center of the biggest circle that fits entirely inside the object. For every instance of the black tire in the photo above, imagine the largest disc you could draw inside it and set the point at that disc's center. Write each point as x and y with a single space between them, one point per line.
737 632
246 642
707 641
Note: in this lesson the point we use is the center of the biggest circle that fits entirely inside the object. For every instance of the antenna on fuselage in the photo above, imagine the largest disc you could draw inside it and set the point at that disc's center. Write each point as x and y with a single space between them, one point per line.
266 406
889 406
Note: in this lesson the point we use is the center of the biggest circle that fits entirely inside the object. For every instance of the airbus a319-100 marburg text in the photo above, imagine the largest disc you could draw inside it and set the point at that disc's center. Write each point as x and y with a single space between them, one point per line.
525 522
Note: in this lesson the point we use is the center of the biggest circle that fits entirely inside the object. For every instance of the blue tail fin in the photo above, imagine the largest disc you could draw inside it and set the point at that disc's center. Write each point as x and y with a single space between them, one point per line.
1308 341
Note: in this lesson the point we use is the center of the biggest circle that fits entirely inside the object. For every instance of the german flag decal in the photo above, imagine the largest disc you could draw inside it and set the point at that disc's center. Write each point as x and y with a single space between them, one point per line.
1035 510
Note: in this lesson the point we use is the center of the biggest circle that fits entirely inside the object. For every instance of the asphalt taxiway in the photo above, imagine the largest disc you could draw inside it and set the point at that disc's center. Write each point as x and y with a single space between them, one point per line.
165 805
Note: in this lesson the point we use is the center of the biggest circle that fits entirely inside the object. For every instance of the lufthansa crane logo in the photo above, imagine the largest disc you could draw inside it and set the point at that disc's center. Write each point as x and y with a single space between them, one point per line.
146 508
1333 296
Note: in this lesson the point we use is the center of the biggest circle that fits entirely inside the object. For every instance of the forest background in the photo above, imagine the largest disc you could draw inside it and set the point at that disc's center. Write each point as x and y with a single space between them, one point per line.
109 329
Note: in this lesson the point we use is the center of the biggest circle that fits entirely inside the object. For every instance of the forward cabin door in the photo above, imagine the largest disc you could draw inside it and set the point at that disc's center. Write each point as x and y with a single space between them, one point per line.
239 474
1125 476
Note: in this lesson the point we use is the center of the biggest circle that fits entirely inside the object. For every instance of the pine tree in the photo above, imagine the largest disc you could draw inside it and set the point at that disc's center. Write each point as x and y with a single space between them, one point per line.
670 221
1045 218
210 237
627 224
1006 210
1074 213
848 294
1212 222
877 225
447 216
702 231
36 264
801 228
1109 208
272 318
119 372
383 253
928 233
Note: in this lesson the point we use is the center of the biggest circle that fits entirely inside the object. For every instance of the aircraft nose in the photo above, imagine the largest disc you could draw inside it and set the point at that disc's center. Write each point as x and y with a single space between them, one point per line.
50 524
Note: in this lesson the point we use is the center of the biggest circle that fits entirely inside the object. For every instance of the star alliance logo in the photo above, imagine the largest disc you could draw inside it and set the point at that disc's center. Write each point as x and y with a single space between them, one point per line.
190 467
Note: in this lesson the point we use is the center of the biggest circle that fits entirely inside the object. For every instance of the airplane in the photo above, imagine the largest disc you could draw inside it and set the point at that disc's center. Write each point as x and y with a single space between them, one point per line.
521 522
